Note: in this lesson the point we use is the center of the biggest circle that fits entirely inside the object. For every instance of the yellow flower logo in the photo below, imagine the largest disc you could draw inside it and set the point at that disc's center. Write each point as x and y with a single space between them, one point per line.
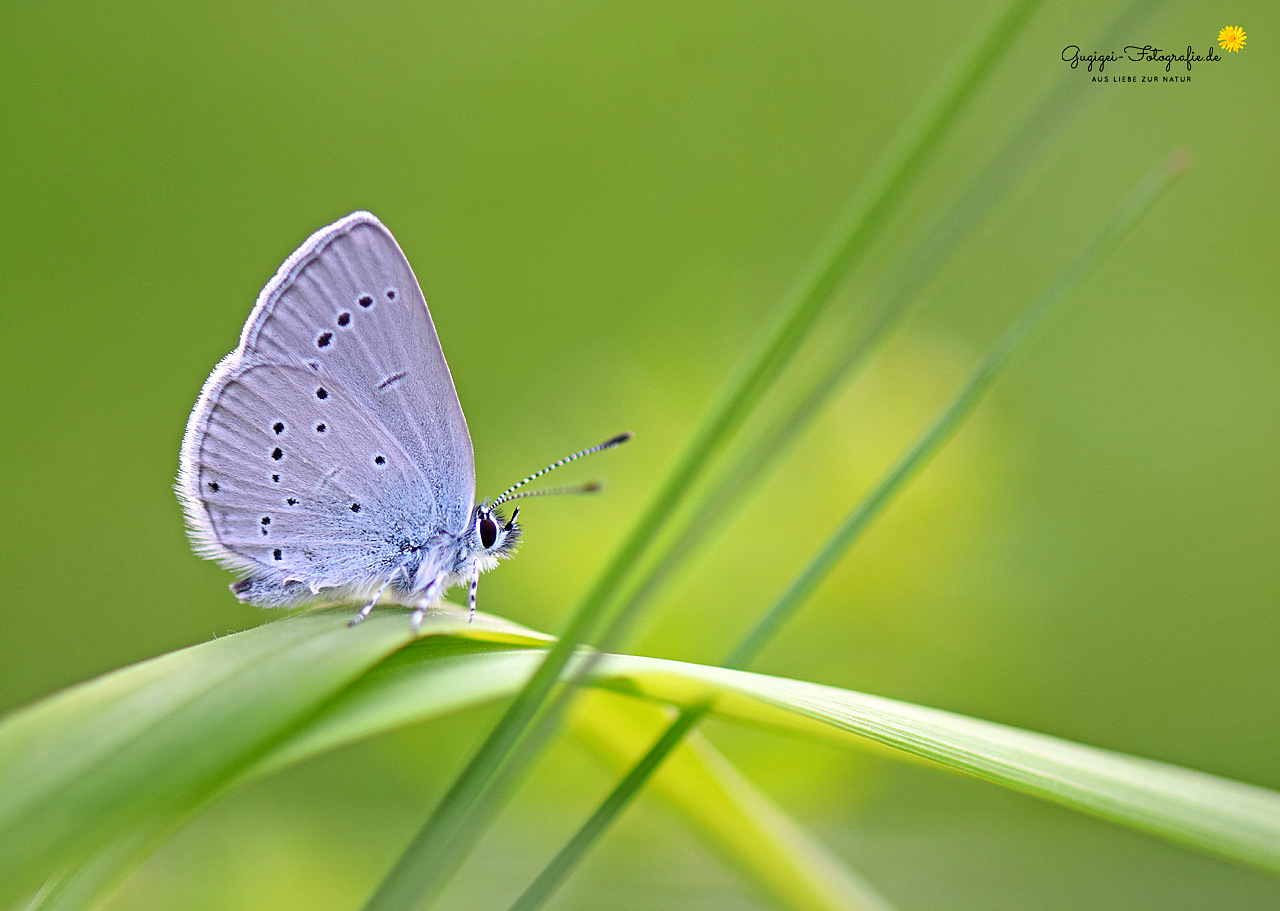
1231 38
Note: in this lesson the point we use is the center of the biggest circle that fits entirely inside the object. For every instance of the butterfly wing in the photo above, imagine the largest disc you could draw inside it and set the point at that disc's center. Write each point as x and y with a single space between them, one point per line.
335 420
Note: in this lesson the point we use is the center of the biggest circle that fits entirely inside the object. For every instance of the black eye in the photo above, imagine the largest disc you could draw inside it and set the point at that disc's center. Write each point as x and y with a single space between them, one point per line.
488 531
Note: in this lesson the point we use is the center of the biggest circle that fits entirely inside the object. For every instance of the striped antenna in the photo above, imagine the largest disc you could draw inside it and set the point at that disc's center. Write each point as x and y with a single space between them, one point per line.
589 487
607 444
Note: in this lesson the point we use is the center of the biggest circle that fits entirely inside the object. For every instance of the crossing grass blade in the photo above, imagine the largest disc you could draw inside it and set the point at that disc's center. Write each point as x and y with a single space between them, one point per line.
907 276
1125 216
453 827
765 846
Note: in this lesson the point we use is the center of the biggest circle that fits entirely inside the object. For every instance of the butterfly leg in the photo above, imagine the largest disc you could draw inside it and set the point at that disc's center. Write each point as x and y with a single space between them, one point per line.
471 596
420 609
364 611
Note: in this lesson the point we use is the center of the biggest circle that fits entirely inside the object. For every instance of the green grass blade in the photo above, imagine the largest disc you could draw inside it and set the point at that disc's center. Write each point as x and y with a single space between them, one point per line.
822 882
1206 812
1228 818
728 812
555 872
87 883
1234 820
908 275
441 674
448 674
420 870
925 446
125 748
153 741
1125 216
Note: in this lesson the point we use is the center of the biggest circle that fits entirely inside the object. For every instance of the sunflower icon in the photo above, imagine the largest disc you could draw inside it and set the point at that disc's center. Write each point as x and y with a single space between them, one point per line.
1231 38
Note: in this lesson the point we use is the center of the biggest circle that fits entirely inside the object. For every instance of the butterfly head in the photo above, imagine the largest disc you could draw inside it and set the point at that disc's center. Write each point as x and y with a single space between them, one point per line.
493 536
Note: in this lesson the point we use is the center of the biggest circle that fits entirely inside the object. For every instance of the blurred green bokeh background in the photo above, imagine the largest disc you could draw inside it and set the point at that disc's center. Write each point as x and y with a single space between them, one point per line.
603 203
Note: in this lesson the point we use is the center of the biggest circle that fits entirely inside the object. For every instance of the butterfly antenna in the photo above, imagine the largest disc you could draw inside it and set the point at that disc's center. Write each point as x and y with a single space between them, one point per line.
586 488
589 487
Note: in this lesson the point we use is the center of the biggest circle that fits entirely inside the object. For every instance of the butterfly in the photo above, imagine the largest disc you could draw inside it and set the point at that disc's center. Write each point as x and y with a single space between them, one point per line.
327 457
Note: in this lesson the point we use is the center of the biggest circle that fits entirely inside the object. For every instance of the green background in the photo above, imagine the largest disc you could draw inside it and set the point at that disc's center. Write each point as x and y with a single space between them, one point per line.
604 203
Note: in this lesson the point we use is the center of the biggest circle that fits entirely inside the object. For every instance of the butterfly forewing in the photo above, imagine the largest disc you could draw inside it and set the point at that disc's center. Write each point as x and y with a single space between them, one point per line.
348 305
332 439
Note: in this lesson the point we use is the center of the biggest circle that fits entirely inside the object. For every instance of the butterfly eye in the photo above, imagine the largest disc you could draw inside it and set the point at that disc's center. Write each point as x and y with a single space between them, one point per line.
488 531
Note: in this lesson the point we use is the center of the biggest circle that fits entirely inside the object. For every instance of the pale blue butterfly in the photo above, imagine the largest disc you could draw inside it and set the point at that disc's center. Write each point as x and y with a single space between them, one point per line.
328 457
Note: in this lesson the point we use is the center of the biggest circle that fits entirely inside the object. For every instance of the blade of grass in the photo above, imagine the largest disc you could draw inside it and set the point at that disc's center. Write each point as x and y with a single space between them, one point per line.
420 871
460 683
450 674
87 883
85 767
1125 216
1229 818
1234 820
909 274
726 809
136 748
733 816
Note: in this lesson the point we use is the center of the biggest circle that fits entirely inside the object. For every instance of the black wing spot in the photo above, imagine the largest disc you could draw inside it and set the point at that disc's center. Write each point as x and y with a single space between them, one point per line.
291 501
377 460
392 380
321 428
366 301
391 294
213 485
266 520
278 427
322 393
275 479
344 318
277 555
277 454
324 339
355 507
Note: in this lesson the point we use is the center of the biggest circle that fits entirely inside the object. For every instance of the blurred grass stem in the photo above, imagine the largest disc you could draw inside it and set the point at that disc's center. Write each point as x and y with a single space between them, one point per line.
1122 219
422 868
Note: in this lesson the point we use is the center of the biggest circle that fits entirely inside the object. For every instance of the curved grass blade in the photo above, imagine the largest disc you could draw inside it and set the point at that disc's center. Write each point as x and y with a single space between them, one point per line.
152 741
1237 821
1229 818
451 673
765 846
423 867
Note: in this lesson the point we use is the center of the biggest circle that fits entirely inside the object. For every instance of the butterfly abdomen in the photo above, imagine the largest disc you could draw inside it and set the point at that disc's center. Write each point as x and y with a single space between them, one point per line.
266 591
